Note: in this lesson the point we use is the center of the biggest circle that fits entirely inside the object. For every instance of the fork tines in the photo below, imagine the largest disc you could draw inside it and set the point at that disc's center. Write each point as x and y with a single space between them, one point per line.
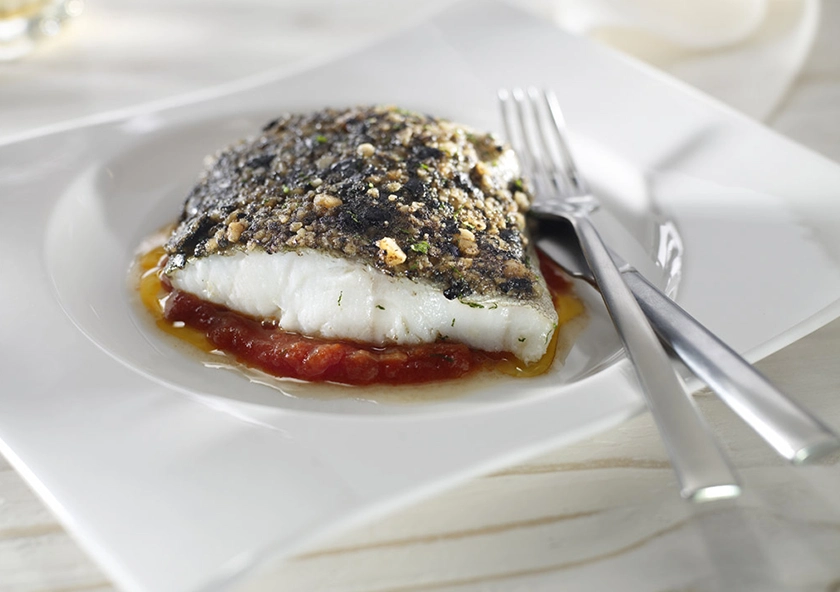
536 129
545 156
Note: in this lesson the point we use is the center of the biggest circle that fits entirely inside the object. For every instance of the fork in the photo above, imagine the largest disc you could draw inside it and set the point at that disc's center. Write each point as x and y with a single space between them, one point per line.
788 427
535 129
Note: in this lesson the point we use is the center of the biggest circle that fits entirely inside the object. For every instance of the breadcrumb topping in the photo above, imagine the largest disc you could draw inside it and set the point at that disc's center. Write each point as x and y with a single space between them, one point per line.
413 195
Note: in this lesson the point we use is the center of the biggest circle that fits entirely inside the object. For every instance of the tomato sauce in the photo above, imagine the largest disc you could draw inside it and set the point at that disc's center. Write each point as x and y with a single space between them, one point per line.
265 346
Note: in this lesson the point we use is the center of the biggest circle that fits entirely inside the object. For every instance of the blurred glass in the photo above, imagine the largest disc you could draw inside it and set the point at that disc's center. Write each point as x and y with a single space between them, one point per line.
23 23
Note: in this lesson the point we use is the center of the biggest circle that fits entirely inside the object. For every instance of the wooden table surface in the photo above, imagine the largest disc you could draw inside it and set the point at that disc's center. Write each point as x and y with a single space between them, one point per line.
600 514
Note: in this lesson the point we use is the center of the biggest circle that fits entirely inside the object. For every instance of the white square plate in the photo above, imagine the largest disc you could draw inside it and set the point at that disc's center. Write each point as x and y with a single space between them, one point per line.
177 477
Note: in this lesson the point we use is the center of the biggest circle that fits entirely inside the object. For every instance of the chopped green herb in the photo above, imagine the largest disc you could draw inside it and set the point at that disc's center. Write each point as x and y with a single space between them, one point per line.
495 306
453 323
456 272
380 307
340 296
321 139
470 304
354 216
425 167
420 247
518 185
521 339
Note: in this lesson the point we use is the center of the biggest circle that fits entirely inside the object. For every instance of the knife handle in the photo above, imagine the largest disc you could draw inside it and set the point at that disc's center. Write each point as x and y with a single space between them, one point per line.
702 469
791 430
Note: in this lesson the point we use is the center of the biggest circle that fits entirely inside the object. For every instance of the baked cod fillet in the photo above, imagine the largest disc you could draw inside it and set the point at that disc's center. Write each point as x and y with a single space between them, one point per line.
370 224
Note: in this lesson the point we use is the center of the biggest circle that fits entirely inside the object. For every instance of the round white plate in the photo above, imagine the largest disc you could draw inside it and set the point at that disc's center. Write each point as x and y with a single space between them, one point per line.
129 195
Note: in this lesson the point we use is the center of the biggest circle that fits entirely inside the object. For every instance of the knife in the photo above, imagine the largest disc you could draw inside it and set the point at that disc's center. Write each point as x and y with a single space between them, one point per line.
788 427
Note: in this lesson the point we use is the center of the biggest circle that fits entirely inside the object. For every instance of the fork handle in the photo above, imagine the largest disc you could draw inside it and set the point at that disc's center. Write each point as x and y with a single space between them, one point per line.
700 466
786 426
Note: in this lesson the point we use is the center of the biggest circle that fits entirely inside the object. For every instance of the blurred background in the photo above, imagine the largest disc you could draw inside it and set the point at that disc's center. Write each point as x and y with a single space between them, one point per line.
104 55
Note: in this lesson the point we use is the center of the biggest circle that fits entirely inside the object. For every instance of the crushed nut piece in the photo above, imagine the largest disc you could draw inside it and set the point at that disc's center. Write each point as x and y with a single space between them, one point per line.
466 243
522 200
234 231
513 268
365 150
325 201
450 148
390 251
